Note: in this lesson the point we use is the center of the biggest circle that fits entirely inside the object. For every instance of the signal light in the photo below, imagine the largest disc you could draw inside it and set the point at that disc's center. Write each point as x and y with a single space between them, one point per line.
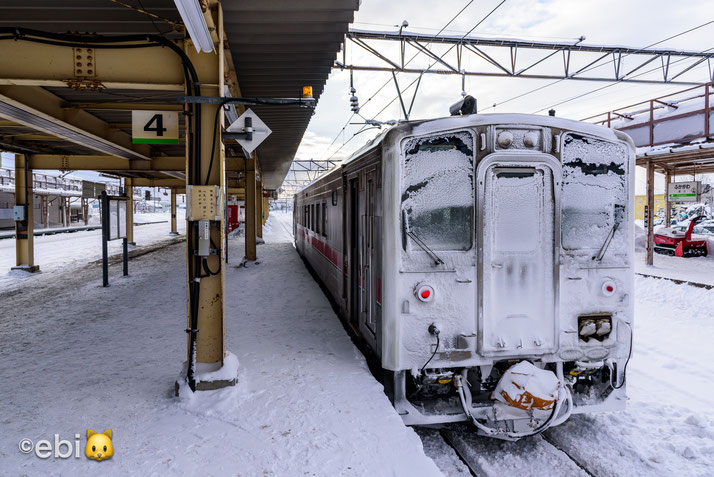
307 91
425 293
609 288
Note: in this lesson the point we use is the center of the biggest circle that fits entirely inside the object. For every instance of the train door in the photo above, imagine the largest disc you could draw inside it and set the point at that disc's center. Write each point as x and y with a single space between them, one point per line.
518 233
354 255
368 239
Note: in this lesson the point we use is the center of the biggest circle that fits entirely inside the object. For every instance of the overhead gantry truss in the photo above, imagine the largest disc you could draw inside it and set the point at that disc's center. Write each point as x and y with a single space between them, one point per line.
538 59
302 172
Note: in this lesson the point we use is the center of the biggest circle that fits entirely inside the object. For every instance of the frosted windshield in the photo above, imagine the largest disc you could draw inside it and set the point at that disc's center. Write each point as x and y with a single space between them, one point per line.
438 191
594 193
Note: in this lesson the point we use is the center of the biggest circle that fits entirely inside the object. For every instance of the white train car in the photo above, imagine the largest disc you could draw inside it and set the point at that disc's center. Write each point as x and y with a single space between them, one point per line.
486 261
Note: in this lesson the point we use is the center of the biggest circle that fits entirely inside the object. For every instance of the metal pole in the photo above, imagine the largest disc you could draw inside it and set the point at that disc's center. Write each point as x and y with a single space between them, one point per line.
125 255
105 236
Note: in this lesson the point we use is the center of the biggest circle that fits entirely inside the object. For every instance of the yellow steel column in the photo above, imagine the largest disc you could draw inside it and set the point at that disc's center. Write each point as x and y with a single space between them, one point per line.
85 210
667 204
251 219
649 223
206 276
266 208
24 240
174 229
259 209
129 191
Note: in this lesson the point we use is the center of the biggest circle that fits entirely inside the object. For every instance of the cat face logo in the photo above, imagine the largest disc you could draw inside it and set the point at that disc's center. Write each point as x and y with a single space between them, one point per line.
99 446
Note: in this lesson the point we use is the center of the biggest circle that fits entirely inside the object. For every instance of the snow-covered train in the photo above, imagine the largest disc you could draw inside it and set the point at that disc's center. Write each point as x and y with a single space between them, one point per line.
486 261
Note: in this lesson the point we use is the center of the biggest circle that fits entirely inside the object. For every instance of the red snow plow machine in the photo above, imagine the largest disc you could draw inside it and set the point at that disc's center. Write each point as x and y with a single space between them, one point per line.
669 241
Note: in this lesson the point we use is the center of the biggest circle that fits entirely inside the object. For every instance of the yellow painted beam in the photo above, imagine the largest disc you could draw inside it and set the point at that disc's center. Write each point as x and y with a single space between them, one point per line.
123 106
35 63
114 163
41 110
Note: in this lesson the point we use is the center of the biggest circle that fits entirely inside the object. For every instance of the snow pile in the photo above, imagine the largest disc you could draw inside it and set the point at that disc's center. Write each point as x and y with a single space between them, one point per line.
526 387
149 217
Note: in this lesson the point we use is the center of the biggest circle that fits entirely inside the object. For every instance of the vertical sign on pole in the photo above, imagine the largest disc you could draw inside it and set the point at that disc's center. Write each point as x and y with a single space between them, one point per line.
113 228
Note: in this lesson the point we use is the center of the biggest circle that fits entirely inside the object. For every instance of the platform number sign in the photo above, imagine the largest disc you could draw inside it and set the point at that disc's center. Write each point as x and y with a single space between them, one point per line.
154 127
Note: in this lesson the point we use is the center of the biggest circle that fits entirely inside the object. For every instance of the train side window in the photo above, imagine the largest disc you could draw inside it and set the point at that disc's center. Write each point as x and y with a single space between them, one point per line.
312 217
324 219
318 218
438 192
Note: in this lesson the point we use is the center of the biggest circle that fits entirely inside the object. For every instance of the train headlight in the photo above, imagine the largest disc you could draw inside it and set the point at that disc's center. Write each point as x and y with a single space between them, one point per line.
425 293
596 326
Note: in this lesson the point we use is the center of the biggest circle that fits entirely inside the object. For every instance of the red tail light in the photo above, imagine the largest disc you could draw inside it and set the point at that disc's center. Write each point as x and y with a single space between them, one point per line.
425 293
609 288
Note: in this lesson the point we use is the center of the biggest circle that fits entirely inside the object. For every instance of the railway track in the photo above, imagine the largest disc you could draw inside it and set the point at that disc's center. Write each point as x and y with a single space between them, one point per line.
487 457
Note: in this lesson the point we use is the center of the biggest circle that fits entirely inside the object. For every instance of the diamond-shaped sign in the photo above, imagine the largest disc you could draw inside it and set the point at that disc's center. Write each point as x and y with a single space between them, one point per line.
260 130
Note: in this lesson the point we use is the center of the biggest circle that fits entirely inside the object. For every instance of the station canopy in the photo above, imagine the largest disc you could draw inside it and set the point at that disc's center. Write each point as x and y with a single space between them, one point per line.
276 47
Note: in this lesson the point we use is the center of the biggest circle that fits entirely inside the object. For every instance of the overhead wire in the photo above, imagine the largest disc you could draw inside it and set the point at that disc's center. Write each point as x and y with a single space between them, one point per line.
614 83
422 73
385 85
535 90
442 56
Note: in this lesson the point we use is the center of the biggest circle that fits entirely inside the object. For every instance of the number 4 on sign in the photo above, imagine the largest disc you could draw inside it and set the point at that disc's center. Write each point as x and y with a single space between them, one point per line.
157 119
154 127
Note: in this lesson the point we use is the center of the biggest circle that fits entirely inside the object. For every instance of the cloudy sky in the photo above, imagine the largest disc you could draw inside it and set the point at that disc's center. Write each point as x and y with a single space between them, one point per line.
635 23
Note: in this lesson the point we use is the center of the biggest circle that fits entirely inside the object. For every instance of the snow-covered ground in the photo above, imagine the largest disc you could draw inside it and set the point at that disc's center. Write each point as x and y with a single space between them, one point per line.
67 250
78 356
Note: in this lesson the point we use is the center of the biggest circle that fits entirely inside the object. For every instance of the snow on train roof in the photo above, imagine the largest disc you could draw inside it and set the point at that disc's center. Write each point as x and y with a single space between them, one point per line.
427 126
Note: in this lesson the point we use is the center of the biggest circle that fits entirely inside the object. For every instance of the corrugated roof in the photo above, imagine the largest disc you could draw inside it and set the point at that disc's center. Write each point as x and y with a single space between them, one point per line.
278 47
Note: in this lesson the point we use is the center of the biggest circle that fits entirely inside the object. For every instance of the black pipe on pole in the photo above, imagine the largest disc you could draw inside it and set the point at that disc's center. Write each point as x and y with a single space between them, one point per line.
104 200
125 255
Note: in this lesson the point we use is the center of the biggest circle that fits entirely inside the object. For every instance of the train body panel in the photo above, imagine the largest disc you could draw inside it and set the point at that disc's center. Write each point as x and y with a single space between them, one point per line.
511 235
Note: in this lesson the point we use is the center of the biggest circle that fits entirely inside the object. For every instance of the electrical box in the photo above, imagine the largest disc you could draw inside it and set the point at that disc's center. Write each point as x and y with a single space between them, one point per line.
203 202
18 213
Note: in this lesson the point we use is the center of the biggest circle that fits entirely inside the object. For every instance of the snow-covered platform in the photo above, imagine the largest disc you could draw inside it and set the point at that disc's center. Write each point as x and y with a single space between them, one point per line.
78 356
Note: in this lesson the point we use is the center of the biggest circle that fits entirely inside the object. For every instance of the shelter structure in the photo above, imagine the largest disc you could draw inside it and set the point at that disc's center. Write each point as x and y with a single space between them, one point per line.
76 75
673 135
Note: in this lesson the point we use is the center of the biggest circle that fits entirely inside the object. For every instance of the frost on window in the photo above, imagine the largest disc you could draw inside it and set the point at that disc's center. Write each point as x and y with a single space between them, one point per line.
438 191
594 193
517 209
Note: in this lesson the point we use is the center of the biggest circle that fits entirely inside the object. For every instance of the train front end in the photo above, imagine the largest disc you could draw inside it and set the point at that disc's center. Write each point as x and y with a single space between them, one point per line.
508 271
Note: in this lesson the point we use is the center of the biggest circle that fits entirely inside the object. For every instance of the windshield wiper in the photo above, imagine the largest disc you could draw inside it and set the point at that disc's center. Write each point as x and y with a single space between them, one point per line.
619 216
424 247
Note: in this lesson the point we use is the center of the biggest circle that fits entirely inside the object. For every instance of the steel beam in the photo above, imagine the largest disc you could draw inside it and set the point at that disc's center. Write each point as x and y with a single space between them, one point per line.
113 163
474 45
29 63
39 109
